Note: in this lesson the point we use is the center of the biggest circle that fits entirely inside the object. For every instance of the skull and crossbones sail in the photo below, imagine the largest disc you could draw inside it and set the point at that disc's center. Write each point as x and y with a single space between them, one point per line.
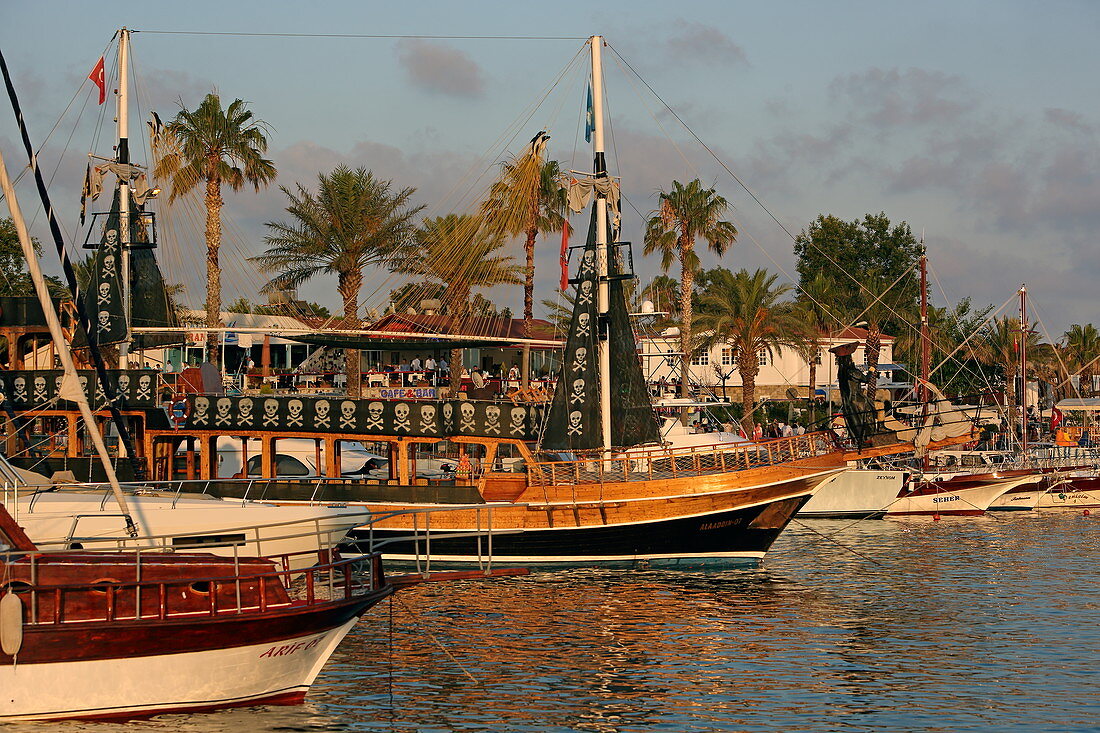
104 294
574 422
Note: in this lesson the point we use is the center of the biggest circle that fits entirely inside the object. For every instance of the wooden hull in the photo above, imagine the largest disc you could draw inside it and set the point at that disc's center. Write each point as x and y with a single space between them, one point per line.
724 519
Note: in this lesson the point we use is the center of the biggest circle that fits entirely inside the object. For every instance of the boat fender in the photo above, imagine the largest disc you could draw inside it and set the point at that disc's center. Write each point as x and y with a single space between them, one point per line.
11 624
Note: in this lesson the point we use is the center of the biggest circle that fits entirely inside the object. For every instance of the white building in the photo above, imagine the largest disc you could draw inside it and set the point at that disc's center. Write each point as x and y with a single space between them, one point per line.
780 370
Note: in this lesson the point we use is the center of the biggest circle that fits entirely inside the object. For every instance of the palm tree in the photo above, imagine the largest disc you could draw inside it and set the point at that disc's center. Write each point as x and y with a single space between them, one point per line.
1000 346
458 252
219 147
529 198
685 214
1082 348
354 220
823 313
746 312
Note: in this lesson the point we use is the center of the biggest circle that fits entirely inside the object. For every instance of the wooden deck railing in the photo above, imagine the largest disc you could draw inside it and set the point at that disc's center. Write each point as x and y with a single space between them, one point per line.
659 463
62 603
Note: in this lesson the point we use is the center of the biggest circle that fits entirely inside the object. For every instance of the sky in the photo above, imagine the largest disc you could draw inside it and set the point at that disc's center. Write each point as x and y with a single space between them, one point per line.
976 123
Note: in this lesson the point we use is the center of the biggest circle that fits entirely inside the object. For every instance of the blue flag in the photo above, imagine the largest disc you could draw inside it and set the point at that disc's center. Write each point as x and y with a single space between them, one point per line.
589 118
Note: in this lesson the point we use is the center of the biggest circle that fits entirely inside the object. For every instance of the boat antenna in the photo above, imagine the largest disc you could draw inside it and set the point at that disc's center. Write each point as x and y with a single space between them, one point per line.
70 385
603 293
70 280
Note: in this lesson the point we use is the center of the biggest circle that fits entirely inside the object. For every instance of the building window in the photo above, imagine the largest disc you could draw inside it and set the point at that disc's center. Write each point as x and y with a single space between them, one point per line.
701 359
762 357
727 356
817 357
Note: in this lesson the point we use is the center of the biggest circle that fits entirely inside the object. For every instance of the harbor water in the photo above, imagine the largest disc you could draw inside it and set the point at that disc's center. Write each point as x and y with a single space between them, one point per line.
954 625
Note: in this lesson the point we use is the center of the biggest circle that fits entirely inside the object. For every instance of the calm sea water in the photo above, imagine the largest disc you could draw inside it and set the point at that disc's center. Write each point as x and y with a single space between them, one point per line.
955 625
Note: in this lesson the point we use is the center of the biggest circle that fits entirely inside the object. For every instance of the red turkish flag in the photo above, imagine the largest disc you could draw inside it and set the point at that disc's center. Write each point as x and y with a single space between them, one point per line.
564 256
97 78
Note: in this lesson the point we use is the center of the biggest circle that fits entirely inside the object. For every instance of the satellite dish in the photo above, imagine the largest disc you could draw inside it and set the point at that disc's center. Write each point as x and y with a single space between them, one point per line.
792 393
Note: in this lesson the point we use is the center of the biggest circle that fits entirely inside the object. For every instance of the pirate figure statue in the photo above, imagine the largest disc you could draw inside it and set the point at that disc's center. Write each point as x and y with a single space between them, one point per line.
859 412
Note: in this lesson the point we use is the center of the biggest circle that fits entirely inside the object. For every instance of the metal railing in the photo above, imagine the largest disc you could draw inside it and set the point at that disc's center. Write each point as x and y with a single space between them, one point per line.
194 595
660 463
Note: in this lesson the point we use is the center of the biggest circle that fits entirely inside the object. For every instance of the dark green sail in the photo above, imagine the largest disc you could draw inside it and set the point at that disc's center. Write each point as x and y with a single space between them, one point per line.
633 421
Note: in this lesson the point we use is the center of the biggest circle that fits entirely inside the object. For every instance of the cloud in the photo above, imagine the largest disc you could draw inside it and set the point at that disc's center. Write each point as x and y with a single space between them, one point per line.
887 98
440 69
695 41
1068 120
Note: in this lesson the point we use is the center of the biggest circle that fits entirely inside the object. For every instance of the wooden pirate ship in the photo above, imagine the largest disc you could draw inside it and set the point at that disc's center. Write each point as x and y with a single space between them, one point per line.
582 480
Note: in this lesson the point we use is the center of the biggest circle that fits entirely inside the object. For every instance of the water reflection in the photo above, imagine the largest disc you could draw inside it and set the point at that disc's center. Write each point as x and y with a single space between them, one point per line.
949 625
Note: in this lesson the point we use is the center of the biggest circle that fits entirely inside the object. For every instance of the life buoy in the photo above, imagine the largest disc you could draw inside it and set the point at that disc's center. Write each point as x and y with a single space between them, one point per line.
181 408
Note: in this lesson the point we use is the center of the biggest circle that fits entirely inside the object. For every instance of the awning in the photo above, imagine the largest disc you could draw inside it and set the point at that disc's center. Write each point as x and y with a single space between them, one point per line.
1083 404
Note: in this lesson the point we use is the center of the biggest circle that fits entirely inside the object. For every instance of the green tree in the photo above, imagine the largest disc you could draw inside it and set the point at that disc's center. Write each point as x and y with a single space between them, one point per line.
746 311
687 213
304 308
1082 350
219 147
873 268
352 221
952 333
456 251
528 198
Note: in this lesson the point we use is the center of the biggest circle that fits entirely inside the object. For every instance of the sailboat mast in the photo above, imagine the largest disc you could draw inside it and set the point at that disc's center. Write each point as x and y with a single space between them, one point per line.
1022 397
925 345
71 388
603 288
123 153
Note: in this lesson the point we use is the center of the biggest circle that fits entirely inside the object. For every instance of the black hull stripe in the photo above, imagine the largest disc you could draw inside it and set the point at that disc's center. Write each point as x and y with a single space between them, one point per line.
741 531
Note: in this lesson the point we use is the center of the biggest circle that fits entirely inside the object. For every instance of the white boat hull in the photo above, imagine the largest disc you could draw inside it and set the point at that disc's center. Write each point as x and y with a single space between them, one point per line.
63 519
273 672
1056 500
855 493
968 501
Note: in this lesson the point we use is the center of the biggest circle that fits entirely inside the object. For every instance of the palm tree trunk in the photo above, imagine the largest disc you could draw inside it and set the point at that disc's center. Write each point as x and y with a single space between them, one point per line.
348 285
529 281
871 349
213 271
749 367
456 371
687 280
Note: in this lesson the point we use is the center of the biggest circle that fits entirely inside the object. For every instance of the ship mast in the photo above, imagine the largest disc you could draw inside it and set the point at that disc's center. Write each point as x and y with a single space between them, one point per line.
925 344
1021 399
603 289
123 155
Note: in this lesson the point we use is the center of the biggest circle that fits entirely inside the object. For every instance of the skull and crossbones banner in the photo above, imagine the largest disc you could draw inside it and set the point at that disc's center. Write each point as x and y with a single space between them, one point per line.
32 388
363 417
574 421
